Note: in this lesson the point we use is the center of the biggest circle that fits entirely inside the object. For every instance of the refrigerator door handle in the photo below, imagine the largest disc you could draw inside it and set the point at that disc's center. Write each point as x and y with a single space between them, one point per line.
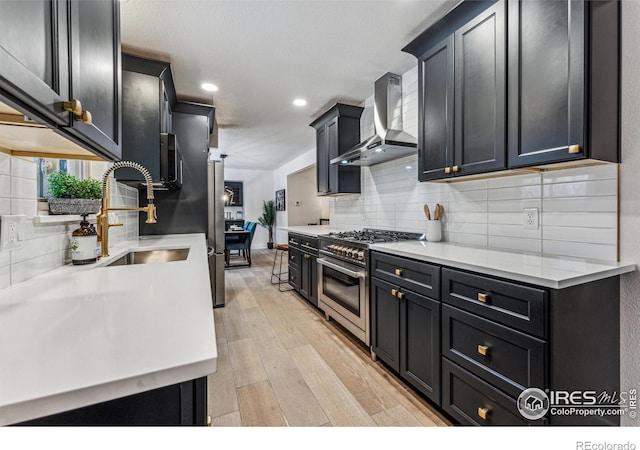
210 251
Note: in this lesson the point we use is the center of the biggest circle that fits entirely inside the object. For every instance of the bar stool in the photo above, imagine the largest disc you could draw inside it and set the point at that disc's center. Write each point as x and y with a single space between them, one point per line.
278 276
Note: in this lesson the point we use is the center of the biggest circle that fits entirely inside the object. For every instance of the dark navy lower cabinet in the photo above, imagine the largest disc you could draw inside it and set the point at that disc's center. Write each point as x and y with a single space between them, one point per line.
178 404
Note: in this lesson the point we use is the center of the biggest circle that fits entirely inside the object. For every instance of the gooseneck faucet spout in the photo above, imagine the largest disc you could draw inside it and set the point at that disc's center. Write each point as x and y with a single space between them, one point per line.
103 217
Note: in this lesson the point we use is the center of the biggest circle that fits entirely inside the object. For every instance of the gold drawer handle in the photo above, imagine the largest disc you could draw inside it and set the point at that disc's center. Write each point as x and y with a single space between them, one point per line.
574 149
307 256
455 168
400 295
483 412
86 118
394 292
292 257
447 170
73 106
483 297
209 421
483 349
398 272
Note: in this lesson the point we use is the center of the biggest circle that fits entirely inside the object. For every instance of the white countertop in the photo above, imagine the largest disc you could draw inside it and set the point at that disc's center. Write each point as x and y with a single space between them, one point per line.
81 335
551 272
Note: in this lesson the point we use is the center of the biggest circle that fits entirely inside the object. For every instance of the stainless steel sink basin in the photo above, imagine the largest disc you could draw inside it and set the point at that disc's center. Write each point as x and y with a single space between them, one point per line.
151 256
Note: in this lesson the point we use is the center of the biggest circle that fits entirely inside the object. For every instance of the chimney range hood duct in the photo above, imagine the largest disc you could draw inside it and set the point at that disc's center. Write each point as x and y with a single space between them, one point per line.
389 141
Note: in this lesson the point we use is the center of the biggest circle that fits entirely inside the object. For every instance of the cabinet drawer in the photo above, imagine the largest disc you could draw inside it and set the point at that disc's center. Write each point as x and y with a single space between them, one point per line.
466 397
508 359
294 258
294 278
511 304
309 244
418 276
294 240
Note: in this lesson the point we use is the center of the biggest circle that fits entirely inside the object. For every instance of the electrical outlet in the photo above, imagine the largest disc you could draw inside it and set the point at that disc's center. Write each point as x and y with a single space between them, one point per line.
11 232
530 219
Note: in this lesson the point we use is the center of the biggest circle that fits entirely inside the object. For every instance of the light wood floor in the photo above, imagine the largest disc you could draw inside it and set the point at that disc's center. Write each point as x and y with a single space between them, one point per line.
281 364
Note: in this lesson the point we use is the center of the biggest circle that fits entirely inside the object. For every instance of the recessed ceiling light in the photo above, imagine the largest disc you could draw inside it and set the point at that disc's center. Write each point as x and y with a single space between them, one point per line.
209 87
299 102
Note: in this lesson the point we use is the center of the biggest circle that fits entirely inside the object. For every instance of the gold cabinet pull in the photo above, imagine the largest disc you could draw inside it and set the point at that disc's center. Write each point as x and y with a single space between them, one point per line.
73 106
455 168
292 257
400 295
574 149
447 170
86 117
483 412
483 349
398 272
307 256
209 421
483 297
394 292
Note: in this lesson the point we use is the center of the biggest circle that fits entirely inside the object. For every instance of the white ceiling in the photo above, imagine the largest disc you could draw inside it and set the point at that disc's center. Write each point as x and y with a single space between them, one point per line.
263 54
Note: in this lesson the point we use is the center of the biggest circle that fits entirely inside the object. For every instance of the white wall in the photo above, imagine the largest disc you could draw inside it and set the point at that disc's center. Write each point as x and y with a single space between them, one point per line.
47 247
629 201
303 204
280 175
257 186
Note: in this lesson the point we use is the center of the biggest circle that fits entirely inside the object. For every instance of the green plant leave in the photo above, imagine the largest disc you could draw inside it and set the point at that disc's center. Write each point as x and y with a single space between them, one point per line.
62 185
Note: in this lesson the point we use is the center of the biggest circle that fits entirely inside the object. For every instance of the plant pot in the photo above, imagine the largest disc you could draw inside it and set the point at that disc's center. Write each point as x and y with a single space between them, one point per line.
270 245
74 206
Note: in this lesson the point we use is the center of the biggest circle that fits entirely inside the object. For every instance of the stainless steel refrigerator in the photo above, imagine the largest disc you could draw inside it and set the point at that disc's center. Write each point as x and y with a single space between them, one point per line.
215 232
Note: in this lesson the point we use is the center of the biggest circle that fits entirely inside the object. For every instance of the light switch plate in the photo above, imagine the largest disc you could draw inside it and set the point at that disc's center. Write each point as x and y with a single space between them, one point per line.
11 231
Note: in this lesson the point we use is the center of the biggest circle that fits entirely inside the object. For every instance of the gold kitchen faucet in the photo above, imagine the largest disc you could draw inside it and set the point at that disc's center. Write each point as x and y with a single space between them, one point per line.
103 217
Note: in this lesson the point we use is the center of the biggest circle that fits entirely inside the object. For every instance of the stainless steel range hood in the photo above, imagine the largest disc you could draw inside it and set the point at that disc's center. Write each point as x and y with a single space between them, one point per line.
389 141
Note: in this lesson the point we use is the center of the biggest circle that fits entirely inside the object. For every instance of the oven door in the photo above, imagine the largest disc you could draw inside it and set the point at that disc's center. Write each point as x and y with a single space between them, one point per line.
343 288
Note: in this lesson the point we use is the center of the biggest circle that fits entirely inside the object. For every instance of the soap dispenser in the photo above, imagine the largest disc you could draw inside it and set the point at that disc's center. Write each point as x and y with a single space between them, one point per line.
83 243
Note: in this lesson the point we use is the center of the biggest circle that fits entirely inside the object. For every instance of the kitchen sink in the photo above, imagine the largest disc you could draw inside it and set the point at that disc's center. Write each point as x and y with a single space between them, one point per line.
151 256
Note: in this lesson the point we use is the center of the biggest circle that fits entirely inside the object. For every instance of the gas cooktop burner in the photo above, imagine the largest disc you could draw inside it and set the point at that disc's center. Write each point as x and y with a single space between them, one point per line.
370 236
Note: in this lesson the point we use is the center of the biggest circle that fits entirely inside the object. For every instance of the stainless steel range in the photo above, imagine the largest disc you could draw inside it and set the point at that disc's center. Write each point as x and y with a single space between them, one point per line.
343 275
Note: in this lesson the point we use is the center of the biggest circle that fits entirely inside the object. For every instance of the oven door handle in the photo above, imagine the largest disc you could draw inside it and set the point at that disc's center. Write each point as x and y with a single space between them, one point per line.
339 268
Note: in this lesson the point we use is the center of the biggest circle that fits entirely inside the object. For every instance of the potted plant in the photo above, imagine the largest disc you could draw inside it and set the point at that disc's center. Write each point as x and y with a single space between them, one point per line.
268 219
70 195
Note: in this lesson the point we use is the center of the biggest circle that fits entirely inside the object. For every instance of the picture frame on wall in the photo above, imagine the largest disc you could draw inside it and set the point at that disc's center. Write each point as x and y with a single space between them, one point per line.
280 200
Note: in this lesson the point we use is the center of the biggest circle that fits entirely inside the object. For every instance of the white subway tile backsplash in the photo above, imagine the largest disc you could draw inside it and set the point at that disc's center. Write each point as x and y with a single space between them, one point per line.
579 249
581 219
515 193
28 207
513 231
5 206
514 181
5 186
23 188
5 164
513 205
518 244
36 266
453 215
5 277
23 168
581 189
605 236
586 204
5 258
601 172
477 240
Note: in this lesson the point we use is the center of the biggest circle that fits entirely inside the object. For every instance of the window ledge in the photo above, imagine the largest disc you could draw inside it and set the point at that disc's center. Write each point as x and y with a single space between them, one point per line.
52 219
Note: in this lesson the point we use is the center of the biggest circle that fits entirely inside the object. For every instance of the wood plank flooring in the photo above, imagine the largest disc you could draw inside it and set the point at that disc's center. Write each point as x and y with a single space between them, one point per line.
280 363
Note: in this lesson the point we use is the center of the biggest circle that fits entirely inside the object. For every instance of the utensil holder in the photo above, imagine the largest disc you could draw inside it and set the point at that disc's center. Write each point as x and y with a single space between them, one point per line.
434 231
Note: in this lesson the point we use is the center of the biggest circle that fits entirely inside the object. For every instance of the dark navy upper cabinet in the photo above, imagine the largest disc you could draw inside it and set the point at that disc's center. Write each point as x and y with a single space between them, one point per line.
34 57
60 65
96 75
337 130
563 81
518 83
461 89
